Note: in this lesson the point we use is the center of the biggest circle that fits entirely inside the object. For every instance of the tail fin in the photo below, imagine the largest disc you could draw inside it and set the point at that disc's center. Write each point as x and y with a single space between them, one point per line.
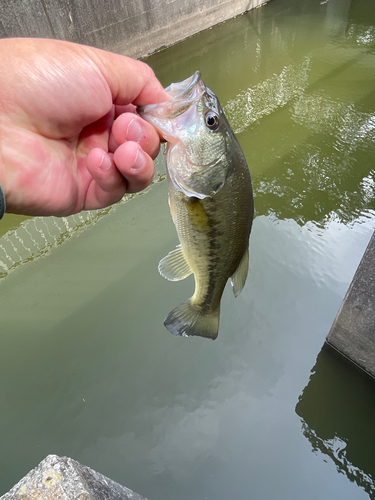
187 320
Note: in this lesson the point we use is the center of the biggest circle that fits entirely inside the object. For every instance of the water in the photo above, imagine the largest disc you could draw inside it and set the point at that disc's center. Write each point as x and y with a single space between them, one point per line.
265 411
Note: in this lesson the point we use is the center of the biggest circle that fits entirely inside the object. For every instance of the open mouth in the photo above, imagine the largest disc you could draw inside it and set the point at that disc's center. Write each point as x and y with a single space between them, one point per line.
184 94
183 89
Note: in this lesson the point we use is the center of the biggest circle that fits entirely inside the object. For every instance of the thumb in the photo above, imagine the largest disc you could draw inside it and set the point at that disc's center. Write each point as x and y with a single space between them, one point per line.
129 80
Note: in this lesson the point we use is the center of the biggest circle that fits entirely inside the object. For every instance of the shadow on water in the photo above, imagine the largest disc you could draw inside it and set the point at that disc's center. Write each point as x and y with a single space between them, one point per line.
337 410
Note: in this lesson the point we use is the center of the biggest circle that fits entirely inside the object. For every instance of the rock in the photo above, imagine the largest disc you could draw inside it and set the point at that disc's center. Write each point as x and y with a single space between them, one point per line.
61 478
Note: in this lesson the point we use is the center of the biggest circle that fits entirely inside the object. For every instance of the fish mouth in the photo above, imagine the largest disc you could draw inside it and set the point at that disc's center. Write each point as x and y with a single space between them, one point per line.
183 94
184 89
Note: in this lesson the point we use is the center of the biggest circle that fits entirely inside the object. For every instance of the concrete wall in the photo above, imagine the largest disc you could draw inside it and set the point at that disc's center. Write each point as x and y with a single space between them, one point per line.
132 27
353 332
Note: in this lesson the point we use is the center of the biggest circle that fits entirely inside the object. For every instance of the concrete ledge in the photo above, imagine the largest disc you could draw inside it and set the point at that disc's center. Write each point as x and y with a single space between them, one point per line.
61 478
202 18
128 27
353 331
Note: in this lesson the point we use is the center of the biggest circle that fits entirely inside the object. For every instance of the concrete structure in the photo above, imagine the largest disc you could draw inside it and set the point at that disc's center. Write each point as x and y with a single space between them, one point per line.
132 27
61 478
353 331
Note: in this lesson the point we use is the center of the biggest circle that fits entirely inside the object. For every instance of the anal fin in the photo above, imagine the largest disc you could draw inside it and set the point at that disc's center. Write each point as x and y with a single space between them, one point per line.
239 276
174 266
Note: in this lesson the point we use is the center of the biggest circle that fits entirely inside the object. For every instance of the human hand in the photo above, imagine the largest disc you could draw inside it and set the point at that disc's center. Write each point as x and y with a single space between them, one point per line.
70 138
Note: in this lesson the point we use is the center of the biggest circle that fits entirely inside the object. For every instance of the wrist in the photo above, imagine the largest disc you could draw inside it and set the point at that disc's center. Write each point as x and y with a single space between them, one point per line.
2 182
2 173
2 202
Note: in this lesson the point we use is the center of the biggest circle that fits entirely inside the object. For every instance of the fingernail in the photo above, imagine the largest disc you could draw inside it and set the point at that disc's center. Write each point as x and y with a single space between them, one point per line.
140 161
134 131
105 162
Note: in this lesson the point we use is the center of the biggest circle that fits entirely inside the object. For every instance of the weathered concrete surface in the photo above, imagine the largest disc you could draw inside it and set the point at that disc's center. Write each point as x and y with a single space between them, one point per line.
61 478
132 27
353 331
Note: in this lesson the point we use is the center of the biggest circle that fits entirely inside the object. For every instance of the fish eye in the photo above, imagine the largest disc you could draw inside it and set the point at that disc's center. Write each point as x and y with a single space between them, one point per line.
212 120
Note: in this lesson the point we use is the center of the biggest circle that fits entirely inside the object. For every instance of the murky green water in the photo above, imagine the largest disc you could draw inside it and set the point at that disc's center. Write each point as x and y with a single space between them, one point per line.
87 368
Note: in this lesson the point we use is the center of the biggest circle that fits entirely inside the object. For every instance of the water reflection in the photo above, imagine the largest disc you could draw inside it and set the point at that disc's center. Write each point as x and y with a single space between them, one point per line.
337 409
31 238
37 237
266 97
318 157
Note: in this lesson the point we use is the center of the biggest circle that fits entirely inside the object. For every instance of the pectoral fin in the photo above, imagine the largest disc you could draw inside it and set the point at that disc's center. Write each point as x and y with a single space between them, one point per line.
174 266
197 214
239 277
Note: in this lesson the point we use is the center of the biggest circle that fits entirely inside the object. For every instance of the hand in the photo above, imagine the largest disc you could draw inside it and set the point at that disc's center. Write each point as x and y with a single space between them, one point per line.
70 138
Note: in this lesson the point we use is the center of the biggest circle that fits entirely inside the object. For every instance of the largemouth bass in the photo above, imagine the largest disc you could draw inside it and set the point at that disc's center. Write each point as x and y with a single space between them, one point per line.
211 202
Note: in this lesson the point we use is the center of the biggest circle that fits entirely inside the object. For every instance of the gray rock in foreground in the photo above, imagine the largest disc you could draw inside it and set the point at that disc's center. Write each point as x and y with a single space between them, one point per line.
61 478
353 331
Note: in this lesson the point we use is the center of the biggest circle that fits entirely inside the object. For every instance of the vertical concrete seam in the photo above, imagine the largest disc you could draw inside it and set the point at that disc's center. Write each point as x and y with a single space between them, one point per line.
2 26
45 10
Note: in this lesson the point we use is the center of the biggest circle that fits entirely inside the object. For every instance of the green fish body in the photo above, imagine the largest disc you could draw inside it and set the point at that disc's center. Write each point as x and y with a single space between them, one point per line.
211 203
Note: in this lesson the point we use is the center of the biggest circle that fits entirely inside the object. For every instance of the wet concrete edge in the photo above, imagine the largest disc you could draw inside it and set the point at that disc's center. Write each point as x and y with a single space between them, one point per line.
353 330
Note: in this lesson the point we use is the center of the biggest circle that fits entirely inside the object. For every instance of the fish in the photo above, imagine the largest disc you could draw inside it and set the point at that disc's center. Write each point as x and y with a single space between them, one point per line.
210 199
